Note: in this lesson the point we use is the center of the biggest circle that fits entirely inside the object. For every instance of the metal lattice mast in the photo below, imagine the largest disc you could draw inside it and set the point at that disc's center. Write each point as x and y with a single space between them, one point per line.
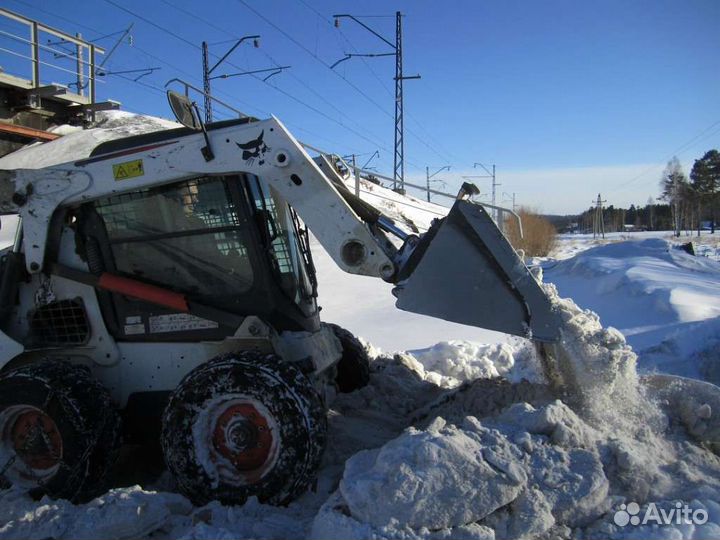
598 220
399 161
207 71
490 174
206 83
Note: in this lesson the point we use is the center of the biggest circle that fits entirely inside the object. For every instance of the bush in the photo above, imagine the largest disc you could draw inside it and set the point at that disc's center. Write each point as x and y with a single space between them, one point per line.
538 234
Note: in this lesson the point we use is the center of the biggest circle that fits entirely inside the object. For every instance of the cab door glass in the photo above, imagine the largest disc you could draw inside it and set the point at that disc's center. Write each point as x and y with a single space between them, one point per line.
278 226
187 236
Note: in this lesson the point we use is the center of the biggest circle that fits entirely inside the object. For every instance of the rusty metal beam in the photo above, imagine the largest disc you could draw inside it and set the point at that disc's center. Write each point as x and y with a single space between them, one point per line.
30 133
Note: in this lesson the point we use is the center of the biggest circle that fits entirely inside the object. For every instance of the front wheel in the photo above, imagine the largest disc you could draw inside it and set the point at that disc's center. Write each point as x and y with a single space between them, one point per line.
244 425
59 432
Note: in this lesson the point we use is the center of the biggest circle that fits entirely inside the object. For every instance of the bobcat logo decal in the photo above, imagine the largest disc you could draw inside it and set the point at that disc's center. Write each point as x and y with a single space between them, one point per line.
254 149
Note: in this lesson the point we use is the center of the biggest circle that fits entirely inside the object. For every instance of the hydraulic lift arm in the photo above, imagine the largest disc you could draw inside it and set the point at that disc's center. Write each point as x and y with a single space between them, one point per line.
462 270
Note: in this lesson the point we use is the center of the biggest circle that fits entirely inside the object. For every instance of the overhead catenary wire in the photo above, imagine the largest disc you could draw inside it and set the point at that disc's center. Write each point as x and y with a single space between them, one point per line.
682 148
347 81
179 37
197 47
442 154
276 88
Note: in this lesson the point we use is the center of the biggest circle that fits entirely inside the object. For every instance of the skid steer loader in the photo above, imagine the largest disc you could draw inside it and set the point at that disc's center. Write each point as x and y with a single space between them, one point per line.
162 286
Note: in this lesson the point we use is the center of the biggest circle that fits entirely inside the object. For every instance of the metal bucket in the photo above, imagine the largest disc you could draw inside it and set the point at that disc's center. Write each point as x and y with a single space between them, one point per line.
464 270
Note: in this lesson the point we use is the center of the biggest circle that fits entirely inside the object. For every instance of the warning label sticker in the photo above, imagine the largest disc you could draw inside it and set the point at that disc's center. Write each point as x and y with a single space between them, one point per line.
128 169
131 329
178 322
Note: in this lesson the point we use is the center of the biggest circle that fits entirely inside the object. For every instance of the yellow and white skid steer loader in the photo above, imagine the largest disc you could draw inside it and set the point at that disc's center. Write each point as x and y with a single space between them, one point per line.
162 286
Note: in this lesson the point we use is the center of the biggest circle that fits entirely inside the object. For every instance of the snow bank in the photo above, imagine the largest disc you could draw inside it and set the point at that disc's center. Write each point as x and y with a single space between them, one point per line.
119 514
458 361
665 301
78 143
435 479
555 468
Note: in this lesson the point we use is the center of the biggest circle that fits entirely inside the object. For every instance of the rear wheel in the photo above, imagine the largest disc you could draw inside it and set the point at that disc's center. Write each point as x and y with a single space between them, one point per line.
244 425
353 369
58 431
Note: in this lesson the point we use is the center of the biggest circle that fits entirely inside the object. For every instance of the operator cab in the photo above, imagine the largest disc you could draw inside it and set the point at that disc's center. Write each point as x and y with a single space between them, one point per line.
227 242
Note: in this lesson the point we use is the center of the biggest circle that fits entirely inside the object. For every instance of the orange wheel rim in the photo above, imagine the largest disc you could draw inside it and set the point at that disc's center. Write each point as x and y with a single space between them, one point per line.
242 435
35 438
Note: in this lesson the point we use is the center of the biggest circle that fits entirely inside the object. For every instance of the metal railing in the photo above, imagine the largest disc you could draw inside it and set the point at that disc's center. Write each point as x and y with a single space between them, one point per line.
358 173
189 86
84 55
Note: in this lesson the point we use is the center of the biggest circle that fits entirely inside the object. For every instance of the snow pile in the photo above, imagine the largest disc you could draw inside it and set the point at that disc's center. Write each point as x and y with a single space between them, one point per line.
413 214
119 514
666 301
477 480
547 468
449 363
77 143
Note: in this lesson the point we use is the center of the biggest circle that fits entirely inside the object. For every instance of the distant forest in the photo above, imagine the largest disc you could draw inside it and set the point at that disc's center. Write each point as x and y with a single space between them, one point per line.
687 203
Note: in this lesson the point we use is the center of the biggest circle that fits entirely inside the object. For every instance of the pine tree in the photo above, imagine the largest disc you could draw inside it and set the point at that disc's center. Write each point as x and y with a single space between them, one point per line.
705 176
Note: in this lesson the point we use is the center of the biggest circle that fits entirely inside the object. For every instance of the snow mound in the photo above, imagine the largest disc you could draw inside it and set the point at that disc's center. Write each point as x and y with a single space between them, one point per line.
459 361
77 143
664 300
119 514
433 479
559 468
464 479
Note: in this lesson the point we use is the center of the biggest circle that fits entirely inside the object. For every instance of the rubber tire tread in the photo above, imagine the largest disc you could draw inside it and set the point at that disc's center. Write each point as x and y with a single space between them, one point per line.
83 412
287 394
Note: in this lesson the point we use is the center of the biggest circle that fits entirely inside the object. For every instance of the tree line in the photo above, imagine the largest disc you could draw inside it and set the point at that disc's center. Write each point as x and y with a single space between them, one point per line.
687 203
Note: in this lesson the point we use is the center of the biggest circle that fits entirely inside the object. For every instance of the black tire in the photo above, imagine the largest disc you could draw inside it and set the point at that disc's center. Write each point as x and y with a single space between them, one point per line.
59 432
353 369
241 425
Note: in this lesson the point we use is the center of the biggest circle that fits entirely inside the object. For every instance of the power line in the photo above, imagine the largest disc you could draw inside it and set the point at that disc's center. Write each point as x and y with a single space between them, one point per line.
165 62
151 23
443 155
281 91
347 81
276 88
683 147
316 57
195 46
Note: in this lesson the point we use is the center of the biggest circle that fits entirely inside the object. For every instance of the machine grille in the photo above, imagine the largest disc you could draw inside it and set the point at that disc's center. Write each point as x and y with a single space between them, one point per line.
60 323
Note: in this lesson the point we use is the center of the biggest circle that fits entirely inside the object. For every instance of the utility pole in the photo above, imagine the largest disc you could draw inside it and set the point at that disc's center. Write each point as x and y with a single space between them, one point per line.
598 221
207 71
428 176
206 83
399 158
356 175
490 174
513 199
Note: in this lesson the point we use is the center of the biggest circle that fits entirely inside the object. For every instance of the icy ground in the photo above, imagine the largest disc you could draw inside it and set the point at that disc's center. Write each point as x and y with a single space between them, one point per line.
458 434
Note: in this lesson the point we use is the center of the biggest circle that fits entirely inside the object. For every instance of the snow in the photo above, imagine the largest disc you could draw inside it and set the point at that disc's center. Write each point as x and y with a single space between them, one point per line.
664 300
78 143
459 433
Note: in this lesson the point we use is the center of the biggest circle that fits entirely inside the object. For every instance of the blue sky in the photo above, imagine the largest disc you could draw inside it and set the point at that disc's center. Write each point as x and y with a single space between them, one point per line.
567 98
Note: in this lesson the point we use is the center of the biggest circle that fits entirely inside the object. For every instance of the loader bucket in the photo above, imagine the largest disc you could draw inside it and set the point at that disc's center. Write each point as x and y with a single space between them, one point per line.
464 270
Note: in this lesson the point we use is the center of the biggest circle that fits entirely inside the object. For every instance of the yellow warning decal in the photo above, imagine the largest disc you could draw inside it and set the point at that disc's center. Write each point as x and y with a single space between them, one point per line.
129 169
